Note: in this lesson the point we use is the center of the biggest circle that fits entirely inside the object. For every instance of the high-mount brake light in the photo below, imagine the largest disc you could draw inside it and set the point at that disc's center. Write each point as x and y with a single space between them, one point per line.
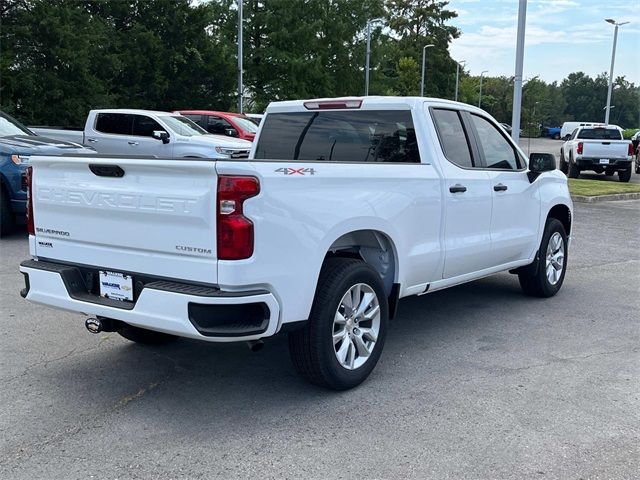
235 231
333 105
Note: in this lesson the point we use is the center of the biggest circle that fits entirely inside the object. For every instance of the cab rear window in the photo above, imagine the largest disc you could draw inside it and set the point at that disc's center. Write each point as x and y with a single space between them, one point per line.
600 134
340 136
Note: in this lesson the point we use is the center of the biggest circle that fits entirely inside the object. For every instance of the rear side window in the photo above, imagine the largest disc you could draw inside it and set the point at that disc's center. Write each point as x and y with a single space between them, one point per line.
600 134
144 126
453 137
340 136
498 152
115 123
217 125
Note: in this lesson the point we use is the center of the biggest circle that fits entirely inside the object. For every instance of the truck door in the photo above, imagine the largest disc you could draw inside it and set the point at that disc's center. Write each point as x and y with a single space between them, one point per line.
515 214
467 193
108 134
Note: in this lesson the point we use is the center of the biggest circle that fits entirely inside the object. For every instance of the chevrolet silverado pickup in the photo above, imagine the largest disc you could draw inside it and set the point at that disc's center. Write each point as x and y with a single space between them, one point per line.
597 148
344 207
149 133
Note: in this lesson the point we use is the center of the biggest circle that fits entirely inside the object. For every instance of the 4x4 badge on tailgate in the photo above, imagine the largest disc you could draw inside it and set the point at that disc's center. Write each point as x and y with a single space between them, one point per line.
295 171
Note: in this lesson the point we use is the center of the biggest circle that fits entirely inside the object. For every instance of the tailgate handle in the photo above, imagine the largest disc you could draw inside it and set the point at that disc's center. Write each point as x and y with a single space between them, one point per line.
107 170
606 143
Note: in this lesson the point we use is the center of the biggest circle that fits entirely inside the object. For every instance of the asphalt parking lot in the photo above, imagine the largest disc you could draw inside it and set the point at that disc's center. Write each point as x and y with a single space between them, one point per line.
477 381
548 145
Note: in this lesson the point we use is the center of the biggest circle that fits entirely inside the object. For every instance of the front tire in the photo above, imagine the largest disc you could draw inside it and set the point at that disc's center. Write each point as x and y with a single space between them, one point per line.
544 277
624 175
564 167
144 336
344 336
574 171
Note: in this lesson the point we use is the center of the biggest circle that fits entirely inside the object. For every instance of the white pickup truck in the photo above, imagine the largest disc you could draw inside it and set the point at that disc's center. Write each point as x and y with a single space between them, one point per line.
344 207
597 148
148 133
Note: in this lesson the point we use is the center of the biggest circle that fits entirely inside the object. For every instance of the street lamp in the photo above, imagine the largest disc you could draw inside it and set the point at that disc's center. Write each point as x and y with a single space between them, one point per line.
424 57
480 96
240 80
458 77
613 59
517 78
368 57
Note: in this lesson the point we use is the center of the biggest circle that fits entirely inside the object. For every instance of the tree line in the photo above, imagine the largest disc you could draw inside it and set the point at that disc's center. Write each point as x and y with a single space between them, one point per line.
60 58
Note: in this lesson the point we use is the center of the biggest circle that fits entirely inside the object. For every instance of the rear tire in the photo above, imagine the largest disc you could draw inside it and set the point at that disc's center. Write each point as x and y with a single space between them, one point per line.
7 219
556 136
144 336
638 165
624 175
574 171
544 277
343 339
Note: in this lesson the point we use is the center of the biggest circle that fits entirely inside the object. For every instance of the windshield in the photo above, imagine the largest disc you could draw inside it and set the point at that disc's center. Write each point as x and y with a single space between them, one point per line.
600 134
183 126
246 124
10 126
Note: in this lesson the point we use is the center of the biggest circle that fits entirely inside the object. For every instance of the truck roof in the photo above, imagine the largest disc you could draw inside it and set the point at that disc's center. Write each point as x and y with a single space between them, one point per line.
135 111
367 103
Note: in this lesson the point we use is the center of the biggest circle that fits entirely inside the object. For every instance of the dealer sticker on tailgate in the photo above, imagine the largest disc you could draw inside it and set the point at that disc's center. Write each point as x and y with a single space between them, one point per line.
117 286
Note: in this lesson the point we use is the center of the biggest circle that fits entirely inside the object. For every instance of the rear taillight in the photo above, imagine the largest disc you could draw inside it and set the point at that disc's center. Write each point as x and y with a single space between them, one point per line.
630 151
580 147
235 231
29 180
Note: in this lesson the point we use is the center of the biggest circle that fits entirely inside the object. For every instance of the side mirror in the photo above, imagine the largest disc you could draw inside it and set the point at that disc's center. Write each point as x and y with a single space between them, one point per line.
539 163
161 135
230 132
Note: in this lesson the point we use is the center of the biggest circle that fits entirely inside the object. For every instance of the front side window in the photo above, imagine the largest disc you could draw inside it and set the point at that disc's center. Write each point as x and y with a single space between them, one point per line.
144 126
217 125
498 152
182 125
453 137
114 123
340 136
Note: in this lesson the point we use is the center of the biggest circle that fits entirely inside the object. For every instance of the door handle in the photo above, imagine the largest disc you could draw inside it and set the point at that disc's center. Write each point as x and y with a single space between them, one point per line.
133 143
92 140
457 188
500 188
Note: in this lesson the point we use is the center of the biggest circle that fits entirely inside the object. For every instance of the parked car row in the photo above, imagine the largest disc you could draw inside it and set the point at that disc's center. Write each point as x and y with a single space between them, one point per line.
129 132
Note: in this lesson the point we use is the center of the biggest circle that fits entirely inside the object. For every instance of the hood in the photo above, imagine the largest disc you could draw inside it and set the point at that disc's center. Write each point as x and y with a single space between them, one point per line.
35 144
221 141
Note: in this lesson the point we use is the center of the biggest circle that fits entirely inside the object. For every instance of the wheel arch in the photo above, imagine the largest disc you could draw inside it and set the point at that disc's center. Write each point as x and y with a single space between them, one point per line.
562 213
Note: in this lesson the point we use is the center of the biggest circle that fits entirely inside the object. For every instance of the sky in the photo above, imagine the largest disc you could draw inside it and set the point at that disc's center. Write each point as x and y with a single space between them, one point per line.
562 36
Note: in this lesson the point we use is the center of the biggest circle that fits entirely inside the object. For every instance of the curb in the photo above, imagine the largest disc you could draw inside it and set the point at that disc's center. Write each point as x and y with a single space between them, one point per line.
605 198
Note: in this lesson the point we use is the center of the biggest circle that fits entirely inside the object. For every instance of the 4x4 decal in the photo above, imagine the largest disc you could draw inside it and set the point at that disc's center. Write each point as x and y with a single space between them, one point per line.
295 171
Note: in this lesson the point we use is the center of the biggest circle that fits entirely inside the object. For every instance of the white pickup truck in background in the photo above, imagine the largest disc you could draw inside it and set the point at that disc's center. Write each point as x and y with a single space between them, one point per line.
148 133
344 207
597 148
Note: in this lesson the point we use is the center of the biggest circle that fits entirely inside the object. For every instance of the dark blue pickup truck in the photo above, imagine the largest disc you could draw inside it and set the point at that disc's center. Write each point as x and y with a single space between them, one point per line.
17 144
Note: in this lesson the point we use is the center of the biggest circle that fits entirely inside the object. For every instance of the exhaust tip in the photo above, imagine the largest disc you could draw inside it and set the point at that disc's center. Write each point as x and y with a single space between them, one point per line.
255 345
94 325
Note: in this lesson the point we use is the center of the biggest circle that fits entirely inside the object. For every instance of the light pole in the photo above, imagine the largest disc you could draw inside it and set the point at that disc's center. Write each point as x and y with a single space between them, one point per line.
480 95
613 59
458 77
367 61
240 81
424 58
517 78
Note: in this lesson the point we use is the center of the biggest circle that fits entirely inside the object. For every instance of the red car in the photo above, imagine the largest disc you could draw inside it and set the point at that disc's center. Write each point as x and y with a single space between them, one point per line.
223 123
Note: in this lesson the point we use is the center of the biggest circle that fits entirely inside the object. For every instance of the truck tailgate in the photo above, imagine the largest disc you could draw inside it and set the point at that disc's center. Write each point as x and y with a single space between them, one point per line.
605 148
151 216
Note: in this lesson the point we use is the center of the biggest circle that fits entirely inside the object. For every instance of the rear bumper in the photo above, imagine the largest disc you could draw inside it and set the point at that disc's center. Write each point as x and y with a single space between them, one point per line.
193 311
588 163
